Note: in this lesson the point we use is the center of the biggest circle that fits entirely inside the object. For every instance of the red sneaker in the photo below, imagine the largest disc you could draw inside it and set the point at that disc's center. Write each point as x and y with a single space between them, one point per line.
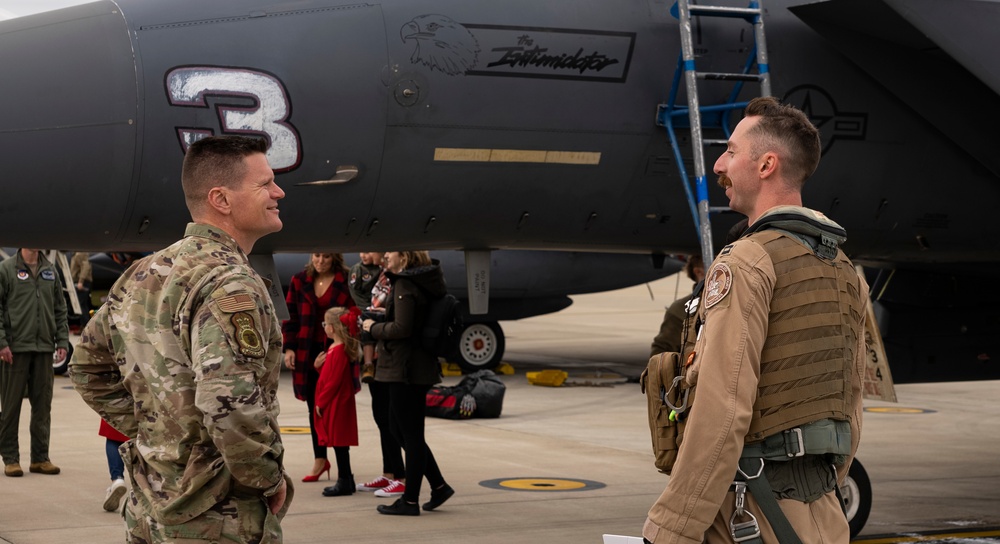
378 483
395 489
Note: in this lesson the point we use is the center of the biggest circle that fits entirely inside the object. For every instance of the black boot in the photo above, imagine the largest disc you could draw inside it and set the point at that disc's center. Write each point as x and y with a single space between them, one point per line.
399 508
438 496
344 486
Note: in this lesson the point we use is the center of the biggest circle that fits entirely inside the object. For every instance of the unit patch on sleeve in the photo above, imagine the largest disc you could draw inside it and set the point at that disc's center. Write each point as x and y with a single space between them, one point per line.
246 335
717 284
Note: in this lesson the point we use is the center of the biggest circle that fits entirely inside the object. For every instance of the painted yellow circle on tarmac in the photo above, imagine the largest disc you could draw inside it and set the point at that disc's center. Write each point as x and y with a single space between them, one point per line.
897 410
541 484
294 430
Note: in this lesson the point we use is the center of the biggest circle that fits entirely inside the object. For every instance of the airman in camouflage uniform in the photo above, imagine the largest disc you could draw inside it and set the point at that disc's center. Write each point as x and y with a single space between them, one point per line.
184 358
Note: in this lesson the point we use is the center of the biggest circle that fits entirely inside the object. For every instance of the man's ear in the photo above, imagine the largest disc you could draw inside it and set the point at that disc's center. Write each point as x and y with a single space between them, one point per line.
218 200
767 164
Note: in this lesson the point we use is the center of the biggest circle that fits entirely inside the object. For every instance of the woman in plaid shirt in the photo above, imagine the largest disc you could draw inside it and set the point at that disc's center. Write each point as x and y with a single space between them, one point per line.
321 286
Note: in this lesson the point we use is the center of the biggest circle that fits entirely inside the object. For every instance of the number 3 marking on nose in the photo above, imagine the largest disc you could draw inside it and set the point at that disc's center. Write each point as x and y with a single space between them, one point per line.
189 87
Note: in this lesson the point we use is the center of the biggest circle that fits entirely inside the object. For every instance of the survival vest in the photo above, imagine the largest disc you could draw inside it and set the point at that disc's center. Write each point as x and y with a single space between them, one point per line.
809 350
816 308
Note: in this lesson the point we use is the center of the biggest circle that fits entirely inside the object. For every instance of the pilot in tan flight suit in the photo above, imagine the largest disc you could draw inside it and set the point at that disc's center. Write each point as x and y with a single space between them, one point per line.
778 360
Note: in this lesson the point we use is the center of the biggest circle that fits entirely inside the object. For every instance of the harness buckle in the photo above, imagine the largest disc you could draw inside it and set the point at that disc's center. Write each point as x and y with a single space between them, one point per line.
747 530
827 247
798 442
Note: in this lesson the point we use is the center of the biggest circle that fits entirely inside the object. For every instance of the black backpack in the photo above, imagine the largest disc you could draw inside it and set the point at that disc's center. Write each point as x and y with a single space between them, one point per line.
442 324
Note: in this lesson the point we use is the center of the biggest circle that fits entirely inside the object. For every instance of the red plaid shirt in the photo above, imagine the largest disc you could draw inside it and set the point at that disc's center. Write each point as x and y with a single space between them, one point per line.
303 332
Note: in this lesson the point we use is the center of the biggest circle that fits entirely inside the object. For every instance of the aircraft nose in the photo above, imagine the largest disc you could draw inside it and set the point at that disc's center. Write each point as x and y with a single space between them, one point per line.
68 124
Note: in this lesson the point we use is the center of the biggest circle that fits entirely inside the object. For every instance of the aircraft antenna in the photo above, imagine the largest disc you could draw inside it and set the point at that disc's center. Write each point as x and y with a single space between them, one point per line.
715 116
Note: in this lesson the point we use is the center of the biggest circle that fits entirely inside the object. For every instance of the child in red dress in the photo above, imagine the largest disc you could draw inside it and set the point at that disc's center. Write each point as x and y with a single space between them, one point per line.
339 380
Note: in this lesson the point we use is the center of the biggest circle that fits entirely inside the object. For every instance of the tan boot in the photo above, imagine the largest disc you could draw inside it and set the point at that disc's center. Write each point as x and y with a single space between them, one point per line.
13 470
367 373
45 467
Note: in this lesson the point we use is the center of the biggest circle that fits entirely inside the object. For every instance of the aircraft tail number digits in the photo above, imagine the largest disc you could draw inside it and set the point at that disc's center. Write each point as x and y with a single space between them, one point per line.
190 85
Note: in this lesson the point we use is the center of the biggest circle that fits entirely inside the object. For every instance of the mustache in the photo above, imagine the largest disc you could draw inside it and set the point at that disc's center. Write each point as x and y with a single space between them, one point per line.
724 181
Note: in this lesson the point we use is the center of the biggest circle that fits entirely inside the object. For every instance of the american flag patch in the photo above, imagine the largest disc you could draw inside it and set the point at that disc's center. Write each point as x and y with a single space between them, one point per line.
237 303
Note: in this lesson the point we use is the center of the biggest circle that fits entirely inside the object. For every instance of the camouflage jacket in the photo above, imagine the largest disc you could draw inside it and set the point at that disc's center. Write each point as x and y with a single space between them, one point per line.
184 359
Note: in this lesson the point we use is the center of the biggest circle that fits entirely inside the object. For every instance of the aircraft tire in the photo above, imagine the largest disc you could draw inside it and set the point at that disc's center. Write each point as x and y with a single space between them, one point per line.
857 493
61 366
479 346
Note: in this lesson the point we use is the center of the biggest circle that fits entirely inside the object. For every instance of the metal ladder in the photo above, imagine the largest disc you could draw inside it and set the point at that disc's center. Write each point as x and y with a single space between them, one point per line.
671 117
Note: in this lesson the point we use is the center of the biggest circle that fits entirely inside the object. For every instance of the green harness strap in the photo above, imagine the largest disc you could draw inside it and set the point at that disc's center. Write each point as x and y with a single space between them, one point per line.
823 437
751 475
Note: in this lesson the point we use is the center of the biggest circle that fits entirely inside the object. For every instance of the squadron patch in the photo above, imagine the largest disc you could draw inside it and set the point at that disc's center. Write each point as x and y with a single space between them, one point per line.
717 284
246 335
22 275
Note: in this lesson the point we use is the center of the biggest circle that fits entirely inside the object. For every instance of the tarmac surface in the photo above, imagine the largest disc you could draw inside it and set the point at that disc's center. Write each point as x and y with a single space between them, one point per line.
932 469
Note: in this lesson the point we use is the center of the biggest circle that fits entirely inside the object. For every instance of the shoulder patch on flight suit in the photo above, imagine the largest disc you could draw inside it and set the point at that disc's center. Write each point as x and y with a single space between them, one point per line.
717 284
246 335
237 303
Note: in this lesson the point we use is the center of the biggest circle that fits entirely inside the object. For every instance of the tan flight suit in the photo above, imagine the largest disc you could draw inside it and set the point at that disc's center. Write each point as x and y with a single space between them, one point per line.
696 505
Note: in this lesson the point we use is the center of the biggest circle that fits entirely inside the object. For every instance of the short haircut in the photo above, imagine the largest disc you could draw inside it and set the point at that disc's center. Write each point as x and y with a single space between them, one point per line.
216 161
787 131
413 259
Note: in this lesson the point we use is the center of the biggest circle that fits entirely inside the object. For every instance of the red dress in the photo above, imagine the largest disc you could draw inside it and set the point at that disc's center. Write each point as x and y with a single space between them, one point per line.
338 426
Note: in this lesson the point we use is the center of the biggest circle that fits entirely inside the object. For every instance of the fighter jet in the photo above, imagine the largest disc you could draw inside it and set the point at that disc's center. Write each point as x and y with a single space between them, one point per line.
436 124
526 284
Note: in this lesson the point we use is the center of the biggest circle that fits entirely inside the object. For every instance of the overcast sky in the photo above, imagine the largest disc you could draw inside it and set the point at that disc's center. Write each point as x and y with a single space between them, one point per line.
17 8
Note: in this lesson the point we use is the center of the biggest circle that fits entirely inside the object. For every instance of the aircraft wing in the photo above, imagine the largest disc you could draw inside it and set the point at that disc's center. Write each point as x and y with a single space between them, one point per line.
930 55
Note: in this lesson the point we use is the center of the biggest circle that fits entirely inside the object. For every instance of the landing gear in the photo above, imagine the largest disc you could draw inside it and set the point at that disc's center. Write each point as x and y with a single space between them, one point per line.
857 493
480 345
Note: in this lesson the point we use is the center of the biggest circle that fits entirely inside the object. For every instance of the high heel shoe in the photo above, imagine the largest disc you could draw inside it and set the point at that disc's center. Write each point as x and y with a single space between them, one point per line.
315 477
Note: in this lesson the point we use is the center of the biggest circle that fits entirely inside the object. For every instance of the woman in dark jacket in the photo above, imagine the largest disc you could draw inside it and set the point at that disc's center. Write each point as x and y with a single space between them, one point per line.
410 371
321 286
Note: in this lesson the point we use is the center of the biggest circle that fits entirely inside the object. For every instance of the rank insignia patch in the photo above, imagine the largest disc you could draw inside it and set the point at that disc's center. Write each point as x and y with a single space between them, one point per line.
717 284
246 335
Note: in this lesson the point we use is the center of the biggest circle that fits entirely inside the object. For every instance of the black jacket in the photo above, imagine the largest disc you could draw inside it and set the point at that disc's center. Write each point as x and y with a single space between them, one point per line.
401 356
